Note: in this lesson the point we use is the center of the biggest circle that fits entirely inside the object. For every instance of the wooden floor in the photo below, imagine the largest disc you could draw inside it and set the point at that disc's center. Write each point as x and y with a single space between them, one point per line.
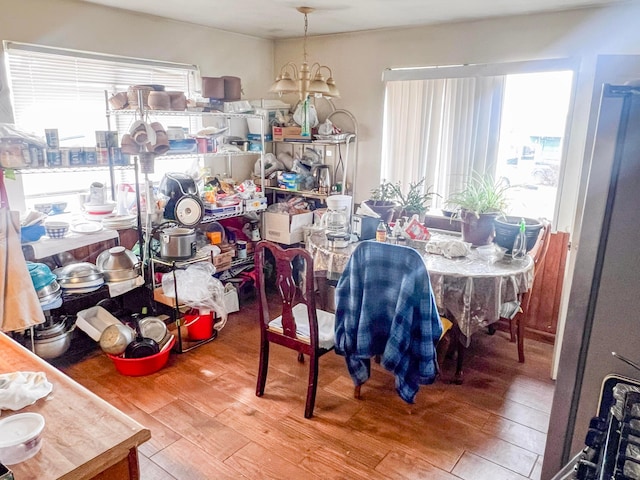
207 423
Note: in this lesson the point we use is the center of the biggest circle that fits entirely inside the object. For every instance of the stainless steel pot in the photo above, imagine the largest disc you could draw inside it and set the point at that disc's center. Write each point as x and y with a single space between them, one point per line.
53 340
177 243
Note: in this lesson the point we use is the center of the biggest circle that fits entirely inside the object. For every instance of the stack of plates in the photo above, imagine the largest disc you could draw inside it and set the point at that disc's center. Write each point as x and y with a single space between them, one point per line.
86 227
119 222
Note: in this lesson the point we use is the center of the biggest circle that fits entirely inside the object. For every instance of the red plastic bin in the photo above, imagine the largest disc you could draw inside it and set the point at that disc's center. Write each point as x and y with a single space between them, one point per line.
137 367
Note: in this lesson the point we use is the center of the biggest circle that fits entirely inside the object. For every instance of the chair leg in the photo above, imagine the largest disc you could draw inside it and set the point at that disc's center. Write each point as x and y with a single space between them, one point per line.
520 335
512 329
356 392
313 384
262 370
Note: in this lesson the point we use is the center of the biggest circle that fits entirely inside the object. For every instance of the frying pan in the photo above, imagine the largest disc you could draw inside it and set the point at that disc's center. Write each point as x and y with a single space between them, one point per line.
141 347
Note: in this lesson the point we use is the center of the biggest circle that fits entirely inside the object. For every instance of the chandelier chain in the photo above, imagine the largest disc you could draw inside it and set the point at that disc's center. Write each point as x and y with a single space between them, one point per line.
304 42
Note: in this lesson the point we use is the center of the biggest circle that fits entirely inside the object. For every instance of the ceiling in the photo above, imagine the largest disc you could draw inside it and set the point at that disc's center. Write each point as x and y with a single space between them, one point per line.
279 19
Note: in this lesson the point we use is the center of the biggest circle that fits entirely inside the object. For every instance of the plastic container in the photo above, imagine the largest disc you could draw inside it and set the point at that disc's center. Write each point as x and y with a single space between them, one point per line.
21 437
138 367
94 320
199 325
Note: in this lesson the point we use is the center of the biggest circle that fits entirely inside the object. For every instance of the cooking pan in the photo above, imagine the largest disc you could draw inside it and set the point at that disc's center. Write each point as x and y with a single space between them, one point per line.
141 347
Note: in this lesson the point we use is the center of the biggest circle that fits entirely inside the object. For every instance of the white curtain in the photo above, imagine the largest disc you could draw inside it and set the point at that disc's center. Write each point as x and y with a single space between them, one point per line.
441 129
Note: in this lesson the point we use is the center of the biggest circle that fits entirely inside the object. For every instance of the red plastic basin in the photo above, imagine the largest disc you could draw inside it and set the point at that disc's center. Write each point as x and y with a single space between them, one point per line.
137 367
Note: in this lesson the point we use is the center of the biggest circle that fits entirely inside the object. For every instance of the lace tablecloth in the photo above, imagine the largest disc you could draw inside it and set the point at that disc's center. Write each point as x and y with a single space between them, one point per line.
468 290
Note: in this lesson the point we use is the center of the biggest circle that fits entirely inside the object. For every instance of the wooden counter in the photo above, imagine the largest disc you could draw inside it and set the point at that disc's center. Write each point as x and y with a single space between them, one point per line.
84 437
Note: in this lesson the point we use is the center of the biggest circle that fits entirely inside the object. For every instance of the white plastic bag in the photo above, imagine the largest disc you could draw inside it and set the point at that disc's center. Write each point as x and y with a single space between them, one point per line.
231 301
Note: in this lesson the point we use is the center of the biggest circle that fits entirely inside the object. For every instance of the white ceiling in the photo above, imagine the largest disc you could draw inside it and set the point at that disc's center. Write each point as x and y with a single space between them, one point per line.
279 18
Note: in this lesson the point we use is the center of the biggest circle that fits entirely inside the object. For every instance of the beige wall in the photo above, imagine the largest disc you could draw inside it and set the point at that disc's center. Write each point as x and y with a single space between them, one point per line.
84 26
359 59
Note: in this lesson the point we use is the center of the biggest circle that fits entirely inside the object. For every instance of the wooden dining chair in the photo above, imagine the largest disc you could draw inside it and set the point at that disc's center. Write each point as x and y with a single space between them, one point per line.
517 321
385 307
300 326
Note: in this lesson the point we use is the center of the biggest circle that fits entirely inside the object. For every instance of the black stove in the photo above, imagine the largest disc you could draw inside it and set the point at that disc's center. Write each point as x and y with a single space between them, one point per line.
612 443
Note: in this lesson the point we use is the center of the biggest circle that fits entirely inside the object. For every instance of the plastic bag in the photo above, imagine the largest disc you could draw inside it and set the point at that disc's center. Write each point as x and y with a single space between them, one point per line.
197 288
298 115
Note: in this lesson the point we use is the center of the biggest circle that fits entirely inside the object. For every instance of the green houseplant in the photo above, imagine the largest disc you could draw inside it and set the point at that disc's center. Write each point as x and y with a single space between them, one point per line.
383 200
480 201
416 200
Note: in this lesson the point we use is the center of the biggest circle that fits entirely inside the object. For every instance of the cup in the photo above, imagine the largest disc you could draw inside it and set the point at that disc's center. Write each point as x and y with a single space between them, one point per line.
138 132
161 144
129 145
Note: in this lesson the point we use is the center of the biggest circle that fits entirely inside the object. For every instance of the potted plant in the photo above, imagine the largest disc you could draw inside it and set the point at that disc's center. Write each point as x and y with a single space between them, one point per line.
479 203
416 200
383 200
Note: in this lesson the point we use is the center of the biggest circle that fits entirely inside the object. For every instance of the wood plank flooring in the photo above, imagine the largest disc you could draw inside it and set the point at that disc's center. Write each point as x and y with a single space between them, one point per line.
207 423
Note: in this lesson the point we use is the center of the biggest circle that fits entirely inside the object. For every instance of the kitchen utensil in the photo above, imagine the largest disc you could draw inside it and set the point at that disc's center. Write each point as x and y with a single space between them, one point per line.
87 227
177 243
21 437
136 367
56 229
189 210
52 338
94 320
141 347
155 329
322 178
77 273
115 338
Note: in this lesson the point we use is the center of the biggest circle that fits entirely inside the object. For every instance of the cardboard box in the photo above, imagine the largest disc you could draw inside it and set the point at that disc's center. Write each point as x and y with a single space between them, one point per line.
255 204
211 209
223 260
285 228
282 133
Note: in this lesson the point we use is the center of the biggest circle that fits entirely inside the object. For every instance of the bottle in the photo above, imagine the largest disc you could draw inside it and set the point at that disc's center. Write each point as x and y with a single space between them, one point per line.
519 249
381 232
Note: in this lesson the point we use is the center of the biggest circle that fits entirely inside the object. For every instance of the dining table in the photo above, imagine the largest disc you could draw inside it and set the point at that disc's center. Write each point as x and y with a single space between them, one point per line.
470 290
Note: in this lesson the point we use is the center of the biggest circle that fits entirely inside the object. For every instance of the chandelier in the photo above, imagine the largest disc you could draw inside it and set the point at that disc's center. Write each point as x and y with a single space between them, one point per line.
303 80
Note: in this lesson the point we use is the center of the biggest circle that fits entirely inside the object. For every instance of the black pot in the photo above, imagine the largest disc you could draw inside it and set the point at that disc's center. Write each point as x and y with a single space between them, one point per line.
507 229
478 230
384 208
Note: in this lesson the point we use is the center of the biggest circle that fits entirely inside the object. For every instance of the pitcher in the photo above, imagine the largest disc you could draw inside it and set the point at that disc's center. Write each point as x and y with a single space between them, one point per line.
335 220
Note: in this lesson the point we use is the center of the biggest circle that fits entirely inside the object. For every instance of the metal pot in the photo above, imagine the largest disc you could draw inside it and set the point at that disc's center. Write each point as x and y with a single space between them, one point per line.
177 243
52 340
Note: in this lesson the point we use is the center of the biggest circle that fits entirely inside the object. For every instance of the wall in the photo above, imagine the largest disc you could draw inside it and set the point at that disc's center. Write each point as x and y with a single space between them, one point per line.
580 33
84 26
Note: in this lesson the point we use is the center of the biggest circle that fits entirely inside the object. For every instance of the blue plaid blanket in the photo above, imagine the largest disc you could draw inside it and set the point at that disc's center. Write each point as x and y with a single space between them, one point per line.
385 306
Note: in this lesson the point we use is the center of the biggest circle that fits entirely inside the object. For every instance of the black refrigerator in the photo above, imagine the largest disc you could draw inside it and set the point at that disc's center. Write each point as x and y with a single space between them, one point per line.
604 303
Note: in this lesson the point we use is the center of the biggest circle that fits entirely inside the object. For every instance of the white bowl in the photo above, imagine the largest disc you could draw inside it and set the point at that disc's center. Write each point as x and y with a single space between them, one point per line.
21 437
56 229
106 208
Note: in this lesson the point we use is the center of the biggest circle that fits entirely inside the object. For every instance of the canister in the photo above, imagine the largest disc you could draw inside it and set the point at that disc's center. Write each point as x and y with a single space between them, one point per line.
52 137
241 249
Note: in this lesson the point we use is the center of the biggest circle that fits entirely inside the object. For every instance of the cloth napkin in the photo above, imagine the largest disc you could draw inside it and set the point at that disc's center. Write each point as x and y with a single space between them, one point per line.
19 389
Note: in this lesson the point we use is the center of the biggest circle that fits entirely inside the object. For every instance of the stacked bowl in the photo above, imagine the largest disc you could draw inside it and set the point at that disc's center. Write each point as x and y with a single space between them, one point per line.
47 288
118 264
82 277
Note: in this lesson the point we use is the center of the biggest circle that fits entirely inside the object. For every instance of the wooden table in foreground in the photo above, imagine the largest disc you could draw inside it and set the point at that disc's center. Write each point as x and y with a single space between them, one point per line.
84 437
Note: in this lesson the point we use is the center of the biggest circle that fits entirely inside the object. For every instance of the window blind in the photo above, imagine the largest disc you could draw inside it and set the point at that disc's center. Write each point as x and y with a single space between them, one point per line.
65 89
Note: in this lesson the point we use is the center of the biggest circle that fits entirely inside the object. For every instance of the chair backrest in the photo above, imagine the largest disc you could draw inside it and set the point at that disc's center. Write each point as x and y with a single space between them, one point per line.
293 281
539 250
539 254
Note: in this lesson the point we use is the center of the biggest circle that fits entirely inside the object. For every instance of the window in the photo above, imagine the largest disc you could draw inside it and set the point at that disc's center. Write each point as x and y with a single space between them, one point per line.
508 120
65 89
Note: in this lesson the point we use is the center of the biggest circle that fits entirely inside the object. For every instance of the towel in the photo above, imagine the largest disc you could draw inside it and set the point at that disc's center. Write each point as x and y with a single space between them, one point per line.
19 304
19 389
